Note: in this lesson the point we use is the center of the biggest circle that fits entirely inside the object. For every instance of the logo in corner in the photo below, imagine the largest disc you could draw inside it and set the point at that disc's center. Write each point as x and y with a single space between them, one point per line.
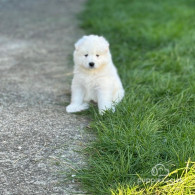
159 170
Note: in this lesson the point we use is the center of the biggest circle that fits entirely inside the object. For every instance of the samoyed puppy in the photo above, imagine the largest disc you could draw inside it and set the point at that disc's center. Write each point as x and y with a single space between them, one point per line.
95 76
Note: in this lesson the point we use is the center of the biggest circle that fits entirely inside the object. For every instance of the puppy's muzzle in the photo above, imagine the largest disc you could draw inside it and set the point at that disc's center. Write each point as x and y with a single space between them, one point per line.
91 64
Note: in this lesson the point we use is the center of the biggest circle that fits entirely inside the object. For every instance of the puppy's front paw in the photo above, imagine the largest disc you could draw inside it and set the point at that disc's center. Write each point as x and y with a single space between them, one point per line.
76 108
71 108
102 111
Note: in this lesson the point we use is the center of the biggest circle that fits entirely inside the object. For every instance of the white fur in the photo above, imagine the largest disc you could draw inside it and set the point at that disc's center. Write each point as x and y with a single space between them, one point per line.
99 83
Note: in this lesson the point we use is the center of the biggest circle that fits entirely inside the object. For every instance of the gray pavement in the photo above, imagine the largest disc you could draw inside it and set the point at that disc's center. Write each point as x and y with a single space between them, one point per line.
38 138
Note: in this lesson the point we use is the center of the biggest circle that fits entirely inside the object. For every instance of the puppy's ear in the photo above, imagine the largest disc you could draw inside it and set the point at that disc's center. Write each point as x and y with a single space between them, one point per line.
79 42
106 44
105 41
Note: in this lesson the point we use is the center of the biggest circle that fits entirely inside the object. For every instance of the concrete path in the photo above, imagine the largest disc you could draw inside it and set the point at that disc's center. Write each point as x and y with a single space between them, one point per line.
38 138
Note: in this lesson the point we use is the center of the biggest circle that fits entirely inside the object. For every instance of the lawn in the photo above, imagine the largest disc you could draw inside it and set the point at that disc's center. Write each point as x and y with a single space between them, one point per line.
153 47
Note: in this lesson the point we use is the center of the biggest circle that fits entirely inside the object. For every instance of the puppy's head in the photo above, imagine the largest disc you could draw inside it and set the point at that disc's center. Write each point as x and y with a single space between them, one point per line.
92 52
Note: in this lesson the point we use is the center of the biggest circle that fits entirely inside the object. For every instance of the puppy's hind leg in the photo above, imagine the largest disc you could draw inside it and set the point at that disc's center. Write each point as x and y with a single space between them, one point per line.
77 97
119 96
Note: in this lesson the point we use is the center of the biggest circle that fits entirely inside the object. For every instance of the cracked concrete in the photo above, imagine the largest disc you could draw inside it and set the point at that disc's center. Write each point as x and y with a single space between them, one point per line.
38 139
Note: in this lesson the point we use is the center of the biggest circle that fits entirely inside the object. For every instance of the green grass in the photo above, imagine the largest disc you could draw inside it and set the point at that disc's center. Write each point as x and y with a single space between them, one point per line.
185 184
153 47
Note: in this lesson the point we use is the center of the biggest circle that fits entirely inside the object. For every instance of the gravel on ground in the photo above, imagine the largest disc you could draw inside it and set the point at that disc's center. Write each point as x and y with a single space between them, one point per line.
38 139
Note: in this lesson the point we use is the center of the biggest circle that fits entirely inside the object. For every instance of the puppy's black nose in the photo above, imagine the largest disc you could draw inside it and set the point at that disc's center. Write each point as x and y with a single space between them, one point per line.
91 64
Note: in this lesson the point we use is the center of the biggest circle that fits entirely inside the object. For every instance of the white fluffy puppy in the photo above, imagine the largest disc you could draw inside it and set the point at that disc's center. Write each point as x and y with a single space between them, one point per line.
95 76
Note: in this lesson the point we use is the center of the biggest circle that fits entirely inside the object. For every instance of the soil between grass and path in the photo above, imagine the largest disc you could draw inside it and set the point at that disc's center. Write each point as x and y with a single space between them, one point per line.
38 139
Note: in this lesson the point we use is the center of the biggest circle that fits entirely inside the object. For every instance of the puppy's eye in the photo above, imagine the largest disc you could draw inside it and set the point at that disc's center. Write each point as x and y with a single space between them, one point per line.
97 55
86 55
